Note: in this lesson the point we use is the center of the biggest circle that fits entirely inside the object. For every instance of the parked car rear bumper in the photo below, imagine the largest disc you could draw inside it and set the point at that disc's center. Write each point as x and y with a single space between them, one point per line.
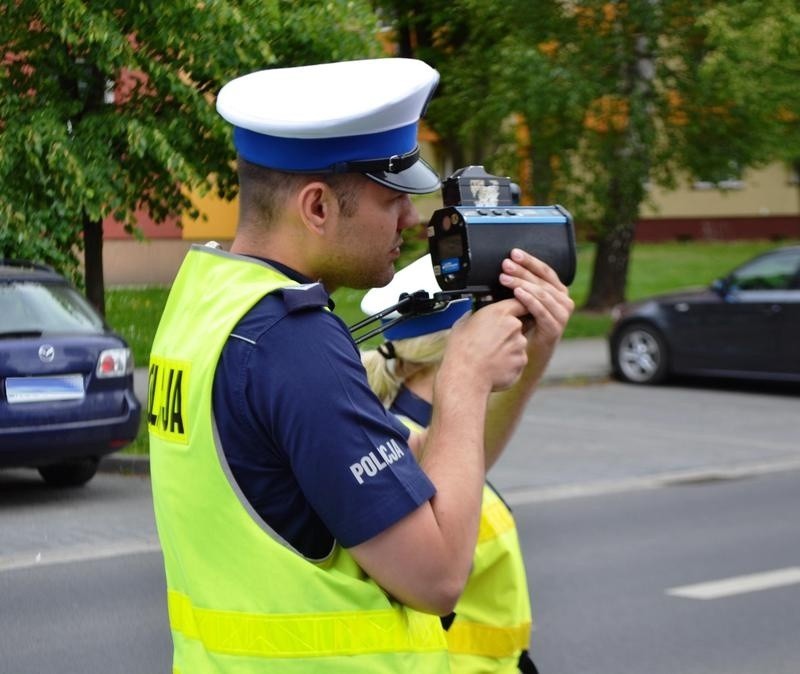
46 443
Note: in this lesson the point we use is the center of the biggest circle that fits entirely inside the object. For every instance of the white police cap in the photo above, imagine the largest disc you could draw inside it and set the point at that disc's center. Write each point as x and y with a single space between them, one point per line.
416 276
349 116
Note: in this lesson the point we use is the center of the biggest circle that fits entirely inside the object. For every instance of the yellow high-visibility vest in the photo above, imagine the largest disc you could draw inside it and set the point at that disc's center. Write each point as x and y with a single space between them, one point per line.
492 624
239 598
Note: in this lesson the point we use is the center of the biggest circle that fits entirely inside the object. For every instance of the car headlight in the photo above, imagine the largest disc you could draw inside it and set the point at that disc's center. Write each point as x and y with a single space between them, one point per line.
616 313
114 363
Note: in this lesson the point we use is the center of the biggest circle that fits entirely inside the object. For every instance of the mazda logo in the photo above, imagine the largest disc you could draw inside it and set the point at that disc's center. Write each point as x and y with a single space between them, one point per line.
46 353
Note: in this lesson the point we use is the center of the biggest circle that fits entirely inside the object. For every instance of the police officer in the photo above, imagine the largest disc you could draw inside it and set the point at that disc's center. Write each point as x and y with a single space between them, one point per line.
290 508
489 630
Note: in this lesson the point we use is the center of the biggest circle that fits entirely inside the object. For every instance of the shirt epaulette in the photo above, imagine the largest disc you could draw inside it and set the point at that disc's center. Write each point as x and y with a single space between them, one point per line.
305 296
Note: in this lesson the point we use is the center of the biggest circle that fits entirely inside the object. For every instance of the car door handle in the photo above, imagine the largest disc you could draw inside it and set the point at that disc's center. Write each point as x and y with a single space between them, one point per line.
773 309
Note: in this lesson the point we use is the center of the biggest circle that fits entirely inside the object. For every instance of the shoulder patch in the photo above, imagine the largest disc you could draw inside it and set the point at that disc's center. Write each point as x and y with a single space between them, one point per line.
305 296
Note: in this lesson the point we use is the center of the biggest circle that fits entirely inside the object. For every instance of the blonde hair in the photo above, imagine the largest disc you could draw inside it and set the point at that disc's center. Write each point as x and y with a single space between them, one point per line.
387 373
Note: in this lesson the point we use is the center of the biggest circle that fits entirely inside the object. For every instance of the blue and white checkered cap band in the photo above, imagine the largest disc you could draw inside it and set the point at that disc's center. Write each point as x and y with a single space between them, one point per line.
359 116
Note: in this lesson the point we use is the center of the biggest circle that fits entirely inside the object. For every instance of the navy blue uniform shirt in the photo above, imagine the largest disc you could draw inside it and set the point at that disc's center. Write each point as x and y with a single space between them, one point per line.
308 443
410 405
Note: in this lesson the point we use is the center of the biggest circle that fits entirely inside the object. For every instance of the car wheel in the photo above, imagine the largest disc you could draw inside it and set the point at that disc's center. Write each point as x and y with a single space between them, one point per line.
639 355
73 473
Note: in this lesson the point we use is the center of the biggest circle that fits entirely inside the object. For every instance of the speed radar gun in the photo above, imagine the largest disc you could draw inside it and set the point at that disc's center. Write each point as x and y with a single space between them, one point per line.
468 238
479 225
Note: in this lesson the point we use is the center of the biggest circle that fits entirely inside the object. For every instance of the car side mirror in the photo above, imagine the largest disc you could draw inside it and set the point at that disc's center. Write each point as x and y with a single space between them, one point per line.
721 286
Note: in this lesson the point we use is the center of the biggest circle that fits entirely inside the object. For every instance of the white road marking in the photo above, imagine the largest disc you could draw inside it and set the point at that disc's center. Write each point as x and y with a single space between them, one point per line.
77 553
728 587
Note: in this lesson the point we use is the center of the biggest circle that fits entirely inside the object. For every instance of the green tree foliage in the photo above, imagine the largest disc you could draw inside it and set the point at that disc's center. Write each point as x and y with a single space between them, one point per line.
662 109
615 96
754 40
107 106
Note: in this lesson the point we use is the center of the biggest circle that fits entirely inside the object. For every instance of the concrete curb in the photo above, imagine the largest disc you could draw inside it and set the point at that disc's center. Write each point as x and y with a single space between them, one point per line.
576 379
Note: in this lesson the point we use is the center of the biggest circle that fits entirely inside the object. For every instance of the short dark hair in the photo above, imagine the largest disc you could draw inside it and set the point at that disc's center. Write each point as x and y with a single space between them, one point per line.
264 190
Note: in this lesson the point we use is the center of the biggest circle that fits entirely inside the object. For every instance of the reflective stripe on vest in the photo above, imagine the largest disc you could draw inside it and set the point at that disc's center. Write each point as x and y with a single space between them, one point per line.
302 635
487 640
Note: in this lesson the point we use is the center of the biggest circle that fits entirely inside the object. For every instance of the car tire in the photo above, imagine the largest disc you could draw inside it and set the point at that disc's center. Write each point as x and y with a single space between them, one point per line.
639 354
73 473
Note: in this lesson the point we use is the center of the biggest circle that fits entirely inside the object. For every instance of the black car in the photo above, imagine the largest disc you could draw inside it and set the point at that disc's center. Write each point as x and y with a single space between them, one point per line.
745 325
66 379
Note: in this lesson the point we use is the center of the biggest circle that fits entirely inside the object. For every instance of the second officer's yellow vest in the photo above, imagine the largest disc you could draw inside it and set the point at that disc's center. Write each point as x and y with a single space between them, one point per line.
239 599
493 616
492 624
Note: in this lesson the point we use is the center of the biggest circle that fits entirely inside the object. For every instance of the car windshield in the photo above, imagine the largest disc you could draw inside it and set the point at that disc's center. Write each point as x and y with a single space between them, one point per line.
39 308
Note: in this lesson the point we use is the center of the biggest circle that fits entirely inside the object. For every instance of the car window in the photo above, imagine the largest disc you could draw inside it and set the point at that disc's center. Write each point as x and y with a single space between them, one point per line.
45 308
774 272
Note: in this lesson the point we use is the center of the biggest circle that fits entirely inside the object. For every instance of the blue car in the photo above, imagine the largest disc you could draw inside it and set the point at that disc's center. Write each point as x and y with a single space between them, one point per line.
66 379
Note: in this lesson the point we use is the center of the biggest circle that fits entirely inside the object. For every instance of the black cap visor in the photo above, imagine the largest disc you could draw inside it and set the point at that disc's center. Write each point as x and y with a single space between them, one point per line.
419 178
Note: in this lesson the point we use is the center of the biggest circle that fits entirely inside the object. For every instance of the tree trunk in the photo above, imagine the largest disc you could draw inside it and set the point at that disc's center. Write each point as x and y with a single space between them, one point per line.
405 48
629 169
610 271
93 263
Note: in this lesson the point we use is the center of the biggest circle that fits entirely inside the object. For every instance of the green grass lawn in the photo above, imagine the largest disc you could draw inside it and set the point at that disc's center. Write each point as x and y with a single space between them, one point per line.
654 268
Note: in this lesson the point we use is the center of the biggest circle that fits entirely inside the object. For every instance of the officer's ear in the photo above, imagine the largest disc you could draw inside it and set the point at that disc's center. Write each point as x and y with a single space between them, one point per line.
317 205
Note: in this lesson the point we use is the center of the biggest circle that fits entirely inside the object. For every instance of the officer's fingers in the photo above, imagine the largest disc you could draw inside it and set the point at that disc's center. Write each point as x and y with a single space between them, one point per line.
549 296
538 267
499 323
557 299
532 305
490 319
537 287
550 311
511 307
492 341
525 266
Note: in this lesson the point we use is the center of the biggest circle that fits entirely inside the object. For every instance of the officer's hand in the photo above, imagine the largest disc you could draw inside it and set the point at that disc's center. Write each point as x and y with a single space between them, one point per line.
489 346
537 287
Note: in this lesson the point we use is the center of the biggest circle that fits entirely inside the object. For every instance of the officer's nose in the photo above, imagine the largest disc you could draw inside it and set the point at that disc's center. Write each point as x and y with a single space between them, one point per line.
409 216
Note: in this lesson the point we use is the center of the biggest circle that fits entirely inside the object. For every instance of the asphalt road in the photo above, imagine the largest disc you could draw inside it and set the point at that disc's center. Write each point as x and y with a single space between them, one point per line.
620 493
81 578
700 578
